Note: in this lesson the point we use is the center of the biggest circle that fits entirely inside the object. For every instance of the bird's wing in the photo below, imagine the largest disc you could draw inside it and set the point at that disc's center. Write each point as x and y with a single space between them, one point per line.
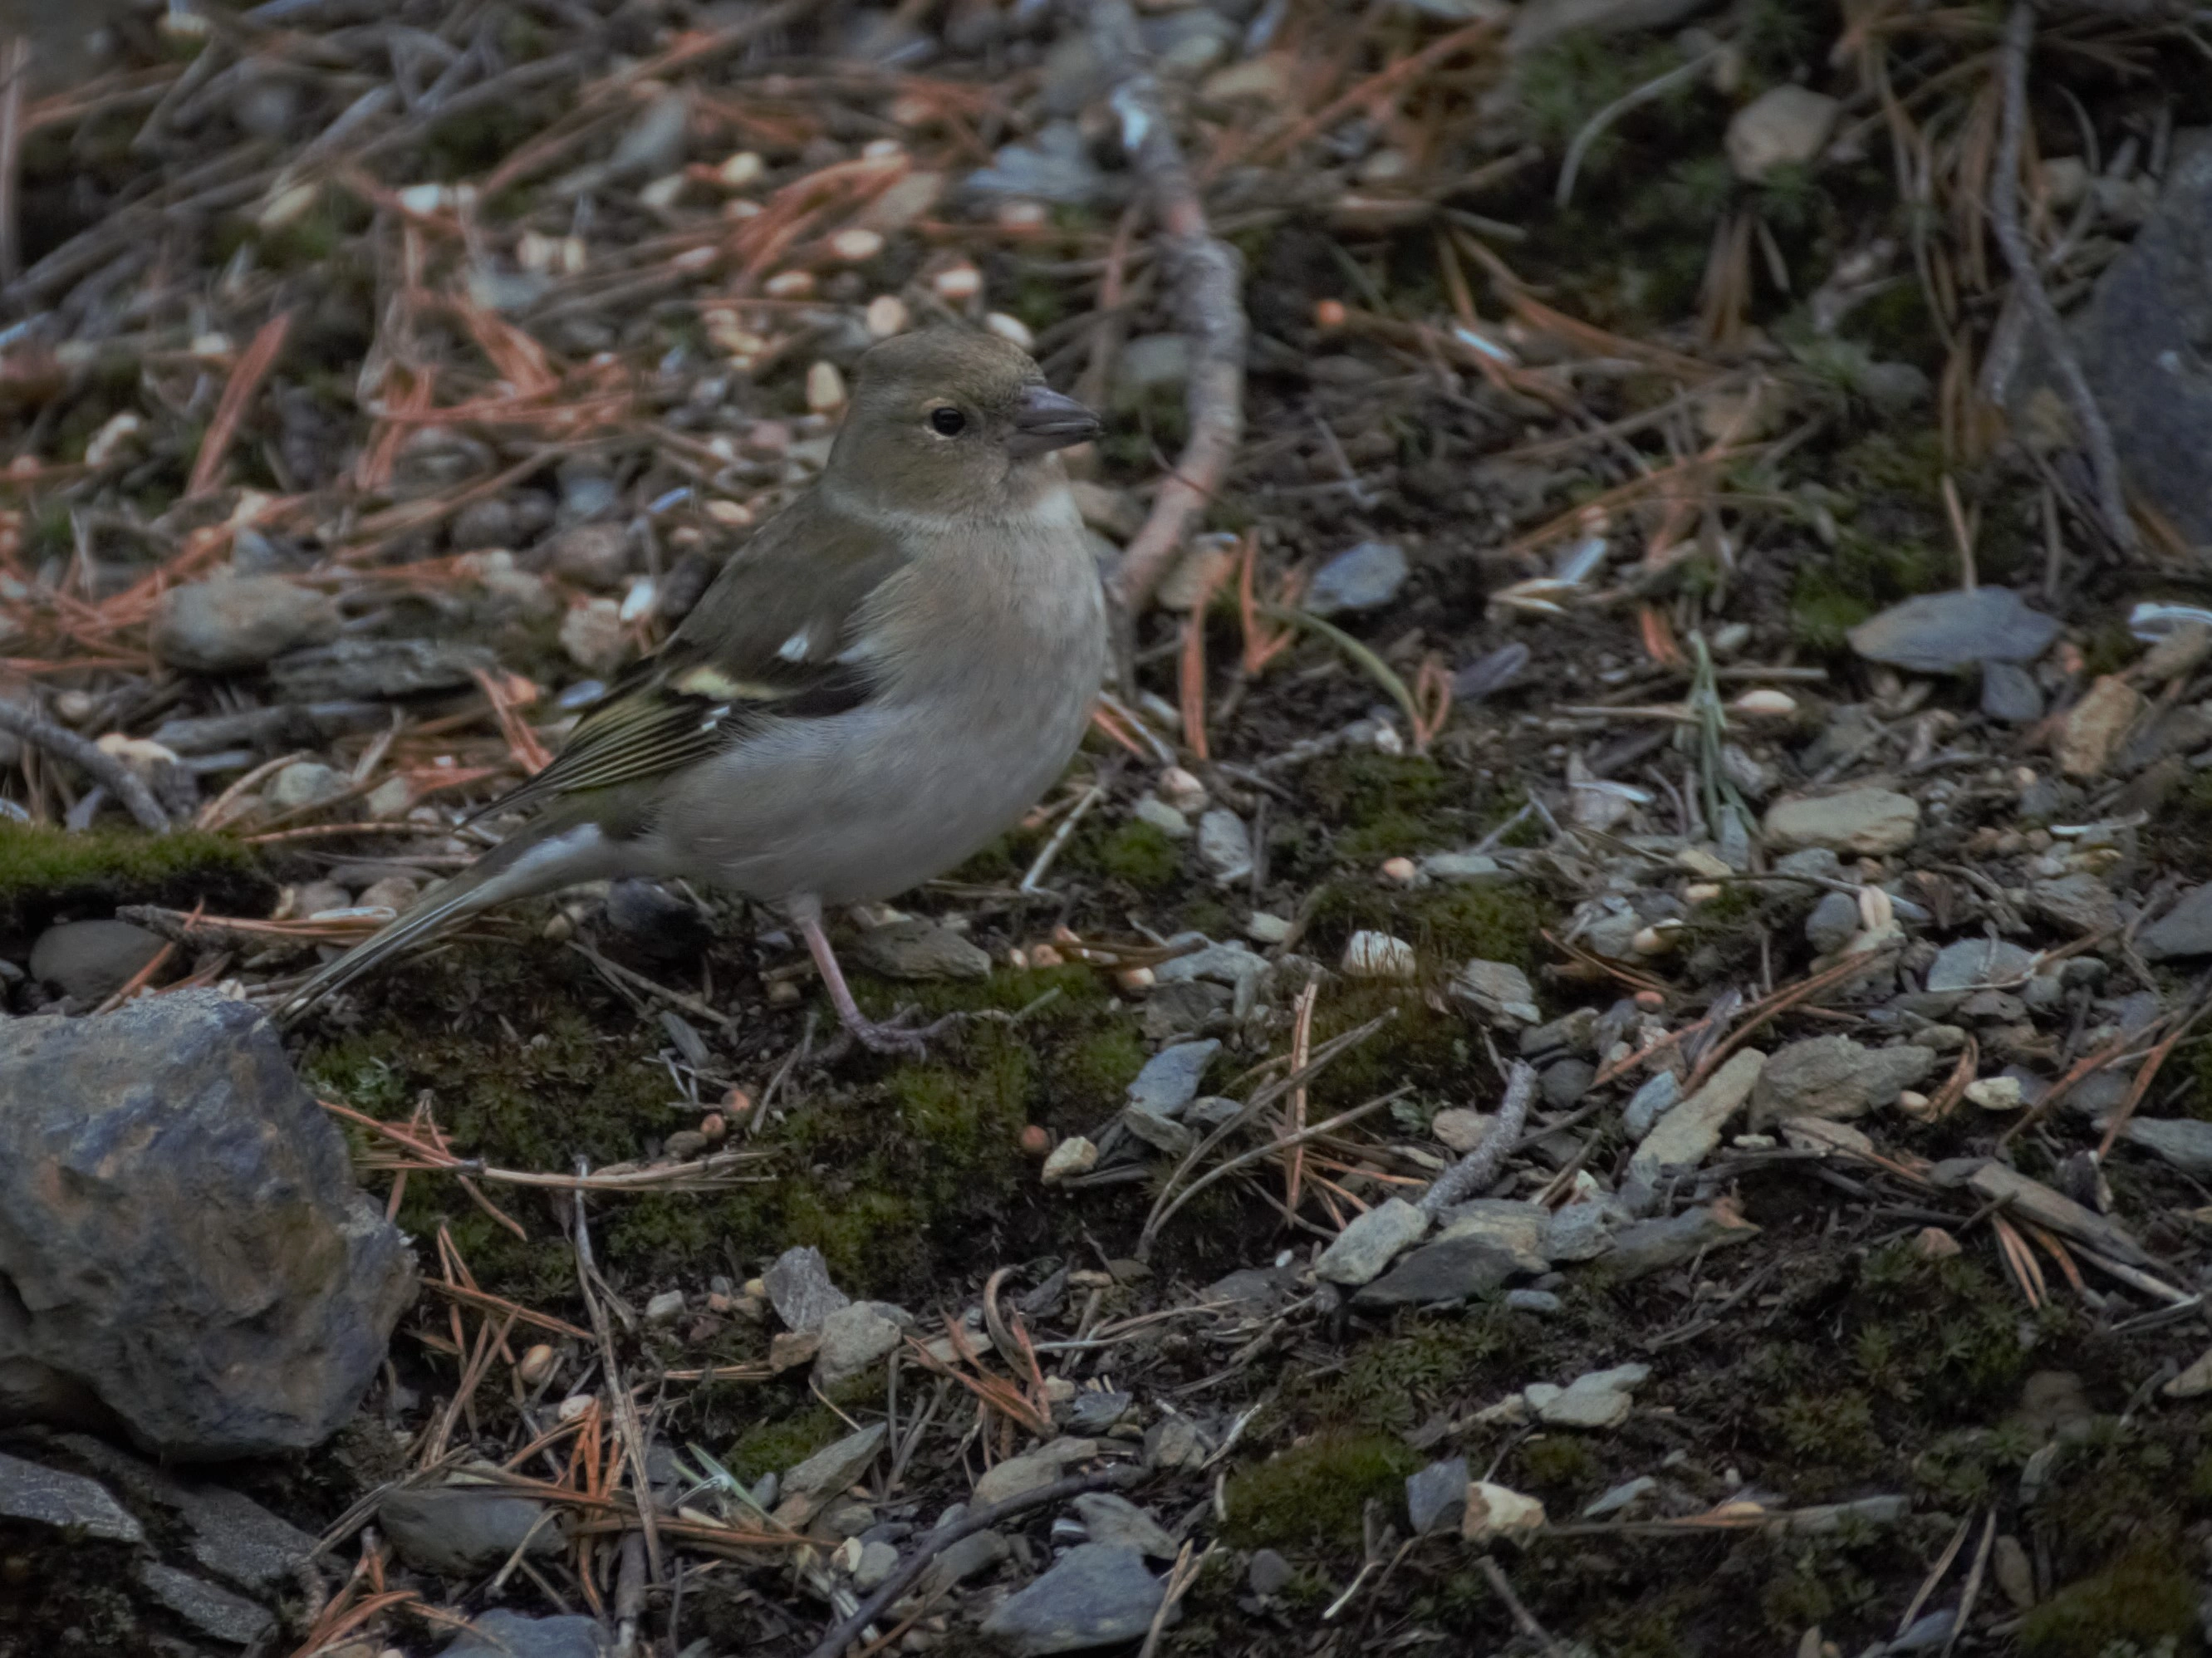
774 637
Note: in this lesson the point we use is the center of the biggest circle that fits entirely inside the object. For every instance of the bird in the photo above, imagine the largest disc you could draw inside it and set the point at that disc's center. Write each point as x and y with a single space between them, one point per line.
879 682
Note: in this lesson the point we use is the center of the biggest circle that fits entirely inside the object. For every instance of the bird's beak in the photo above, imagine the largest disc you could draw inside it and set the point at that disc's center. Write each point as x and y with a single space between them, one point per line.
1046 420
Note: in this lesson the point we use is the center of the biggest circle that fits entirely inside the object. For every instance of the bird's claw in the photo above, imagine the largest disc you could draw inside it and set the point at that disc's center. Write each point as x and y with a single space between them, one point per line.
893 1035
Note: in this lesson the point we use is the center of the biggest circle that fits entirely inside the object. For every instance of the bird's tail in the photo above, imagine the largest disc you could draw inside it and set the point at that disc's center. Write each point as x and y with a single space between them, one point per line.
555 851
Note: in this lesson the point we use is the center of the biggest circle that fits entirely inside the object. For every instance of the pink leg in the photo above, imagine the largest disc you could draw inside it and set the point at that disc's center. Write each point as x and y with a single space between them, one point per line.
877 1038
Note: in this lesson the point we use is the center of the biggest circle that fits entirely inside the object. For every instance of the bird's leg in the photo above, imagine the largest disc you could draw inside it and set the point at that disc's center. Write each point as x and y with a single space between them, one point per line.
887 1038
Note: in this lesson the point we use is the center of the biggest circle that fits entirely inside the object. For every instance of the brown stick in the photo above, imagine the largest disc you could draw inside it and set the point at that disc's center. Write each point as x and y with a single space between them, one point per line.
1207 276
2027 282
96 762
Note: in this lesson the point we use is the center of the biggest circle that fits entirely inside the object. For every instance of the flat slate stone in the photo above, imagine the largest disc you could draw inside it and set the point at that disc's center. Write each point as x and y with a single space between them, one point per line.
1095 1595
1935 632
33 1491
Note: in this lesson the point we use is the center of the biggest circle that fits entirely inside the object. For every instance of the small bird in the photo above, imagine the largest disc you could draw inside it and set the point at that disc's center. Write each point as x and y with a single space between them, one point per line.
881 681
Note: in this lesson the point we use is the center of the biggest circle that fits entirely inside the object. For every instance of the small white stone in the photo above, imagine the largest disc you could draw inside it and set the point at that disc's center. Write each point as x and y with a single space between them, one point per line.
1495 1511
957 282
1995 1093
1072 1156
789 285
1378 956
1011 328
665 1308
1182 791
856 246
741 170
886 316
662 193
825 388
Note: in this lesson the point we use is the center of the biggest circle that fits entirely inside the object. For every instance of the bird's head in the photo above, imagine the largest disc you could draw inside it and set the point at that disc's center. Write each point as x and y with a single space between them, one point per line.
949 421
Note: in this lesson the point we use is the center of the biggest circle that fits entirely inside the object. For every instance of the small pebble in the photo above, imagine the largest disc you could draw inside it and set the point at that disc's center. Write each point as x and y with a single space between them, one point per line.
535 1365
825 388
886 316
1036 1140
1401 871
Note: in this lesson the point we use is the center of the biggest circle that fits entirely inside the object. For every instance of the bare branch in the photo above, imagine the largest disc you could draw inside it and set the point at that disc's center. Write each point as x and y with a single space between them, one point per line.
96 762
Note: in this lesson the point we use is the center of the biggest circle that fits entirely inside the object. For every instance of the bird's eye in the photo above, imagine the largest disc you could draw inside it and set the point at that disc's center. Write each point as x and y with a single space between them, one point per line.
947 423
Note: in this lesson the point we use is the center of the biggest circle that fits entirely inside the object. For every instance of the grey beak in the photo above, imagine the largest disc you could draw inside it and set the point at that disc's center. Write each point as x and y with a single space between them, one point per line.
1046 420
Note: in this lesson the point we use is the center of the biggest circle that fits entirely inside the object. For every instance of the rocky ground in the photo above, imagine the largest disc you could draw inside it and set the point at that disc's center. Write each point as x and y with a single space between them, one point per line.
1602 1052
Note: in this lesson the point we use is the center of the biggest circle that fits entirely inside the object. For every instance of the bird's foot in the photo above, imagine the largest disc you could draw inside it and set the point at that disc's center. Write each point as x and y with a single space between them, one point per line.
894 1036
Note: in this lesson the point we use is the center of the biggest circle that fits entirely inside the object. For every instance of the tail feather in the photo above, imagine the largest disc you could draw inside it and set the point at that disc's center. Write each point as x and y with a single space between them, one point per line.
554 854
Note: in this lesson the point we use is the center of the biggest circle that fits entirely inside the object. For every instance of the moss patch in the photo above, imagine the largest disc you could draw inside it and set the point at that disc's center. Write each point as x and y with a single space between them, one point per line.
46 872
1314 1493
2147 1601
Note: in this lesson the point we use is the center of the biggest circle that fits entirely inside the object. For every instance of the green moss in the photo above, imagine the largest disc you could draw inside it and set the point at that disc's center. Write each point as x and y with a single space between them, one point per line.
1314 1493
1565 83
1558 1463
1841 588
1395 1381
1829 1437
1447 924
45 870
2146 1599
1142 854
1940 1335
777 1446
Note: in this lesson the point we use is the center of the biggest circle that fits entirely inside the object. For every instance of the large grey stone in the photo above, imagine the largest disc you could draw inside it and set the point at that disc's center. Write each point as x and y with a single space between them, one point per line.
217 1613
1865 820
1436 1498
91 960
1095 1595
349 668
2079 902
2184 1142
2184 930
799 1288
1686 1135
2140 342
1449 1270
1171 1078
458 1530
510 1635
49 1497
1935 632
1365 1247
231 623
181 1233
917 950
1833 1076
1363 577
1976 964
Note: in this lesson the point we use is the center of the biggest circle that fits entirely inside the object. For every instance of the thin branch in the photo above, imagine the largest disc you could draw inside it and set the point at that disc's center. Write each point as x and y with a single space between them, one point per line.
1207 276
2027 280
94 762
1479 1167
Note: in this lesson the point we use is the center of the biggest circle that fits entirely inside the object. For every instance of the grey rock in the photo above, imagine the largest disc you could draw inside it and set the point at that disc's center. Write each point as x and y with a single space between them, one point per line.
1224 846
1176 1442
1470 868
1972 963
2140 340
963 1562
2010 695
1162 817
457 1530
1095 1410
1571 1033
1935 632
1228 964
1812 864
2079 902
1032 1469
229 624
1363 577
1565 1081
1367 1245
1115 1520
877 1561
304 783
1254 1289
91 960
1598 1398
918 950
350 669
1864 820
1509 1224
1436 1498
2183 1142
2184 930
1660 1093
1623 1496
1686 1136
1096 1595
481 524
594 554
1834 923
238 1539
1499 990
652 143
511 1635
48 1496
215 1612
1786 125
181 1227
1268 1573
799 1288
1833 1076
1175 1009
1649 1246
1584 1230
835 1467
1542 1303
1171 1078
1055 166
854 1338
1449 1270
